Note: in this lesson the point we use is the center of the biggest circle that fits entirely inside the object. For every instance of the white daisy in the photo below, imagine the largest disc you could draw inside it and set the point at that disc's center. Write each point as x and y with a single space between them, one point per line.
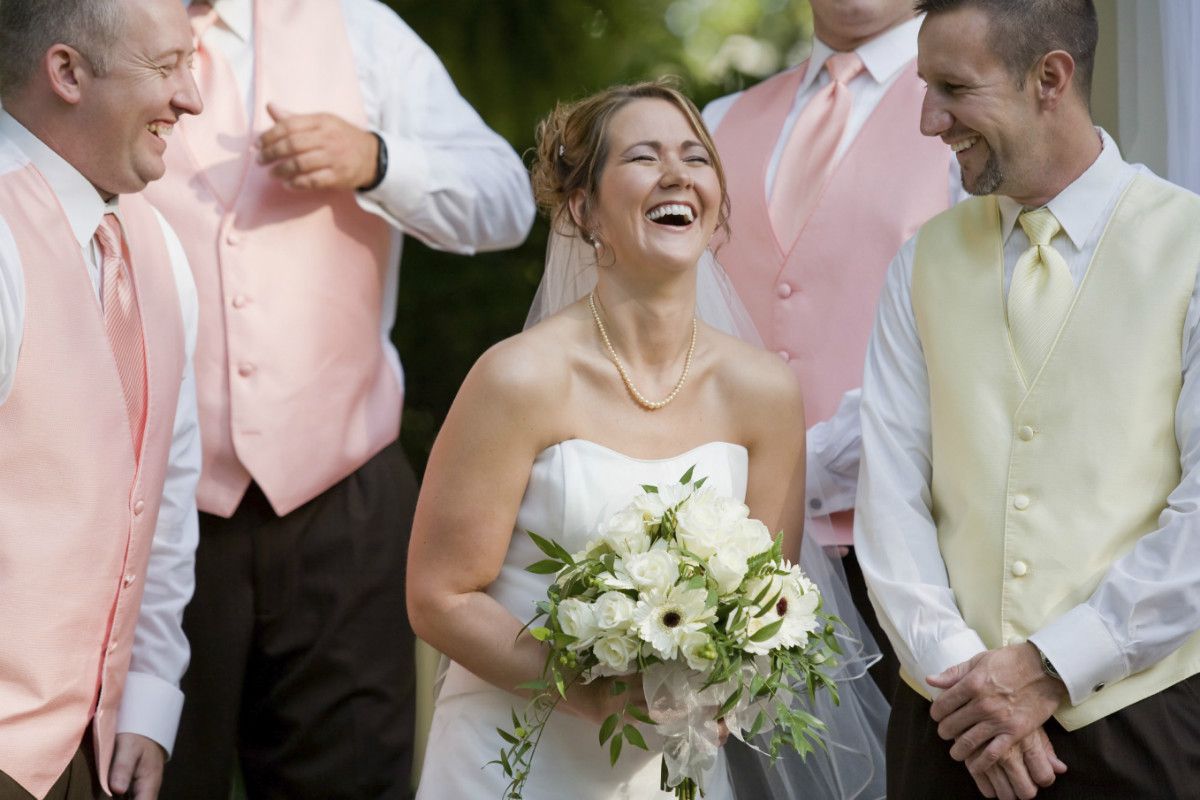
664 619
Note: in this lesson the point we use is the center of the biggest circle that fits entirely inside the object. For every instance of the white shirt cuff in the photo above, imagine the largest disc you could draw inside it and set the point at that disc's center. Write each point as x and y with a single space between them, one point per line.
960 647
1083 652
150 706
406 183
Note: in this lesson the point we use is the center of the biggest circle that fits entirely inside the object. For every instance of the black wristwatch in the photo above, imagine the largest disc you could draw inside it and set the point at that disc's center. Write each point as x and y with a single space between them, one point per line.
1047 667
381 164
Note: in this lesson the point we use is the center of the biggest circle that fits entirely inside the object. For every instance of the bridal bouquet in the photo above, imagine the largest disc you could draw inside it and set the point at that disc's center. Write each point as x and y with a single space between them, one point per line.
685 589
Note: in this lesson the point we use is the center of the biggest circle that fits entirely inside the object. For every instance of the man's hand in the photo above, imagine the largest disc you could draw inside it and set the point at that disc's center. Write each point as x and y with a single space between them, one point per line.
1021 771
993 702
137 767
317 151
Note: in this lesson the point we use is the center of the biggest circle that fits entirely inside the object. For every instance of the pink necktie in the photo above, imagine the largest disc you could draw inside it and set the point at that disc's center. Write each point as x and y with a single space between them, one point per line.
123 324
807 159
218 136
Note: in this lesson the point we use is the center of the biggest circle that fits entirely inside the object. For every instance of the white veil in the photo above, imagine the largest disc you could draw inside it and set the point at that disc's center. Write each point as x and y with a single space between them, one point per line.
852 764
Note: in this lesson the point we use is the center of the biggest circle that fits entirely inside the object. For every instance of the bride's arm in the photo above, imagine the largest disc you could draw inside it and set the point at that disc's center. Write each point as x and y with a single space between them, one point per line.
773 412
472 490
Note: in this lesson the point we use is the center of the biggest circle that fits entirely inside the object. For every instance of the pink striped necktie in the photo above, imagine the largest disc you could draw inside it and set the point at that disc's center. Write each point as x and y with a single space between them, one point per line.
123 324
219 136
807 160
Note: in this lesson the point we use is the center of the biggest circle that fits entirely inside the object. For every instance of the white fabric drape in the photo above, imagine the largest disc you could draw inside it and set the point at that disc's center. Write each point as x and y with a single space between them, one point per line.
1181 66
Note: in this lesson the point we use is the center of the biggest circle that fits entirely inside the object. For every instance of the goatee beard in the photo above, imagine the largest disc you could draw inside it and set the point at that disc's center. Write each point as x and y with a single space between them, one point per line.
989 180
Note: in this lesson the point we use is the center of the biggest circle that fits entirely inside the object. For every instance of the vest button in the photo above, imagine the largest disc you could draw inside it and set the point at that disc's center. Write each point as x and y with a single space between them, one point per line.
246 369
784 290
785 355
1020 502
138 508
1016 640
1026 433
240 301
1020 569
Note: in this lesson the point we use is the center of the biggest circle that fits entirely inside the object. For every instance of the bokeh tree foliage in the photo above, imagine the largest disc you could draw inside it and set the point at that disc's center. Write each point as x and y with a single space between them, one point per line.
512 60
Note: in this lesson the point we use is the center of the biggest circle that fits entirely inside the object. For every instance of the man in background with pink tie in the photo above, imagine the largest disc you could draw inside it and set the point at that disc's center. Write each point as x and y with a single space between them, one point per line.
100 452
331 131
828 175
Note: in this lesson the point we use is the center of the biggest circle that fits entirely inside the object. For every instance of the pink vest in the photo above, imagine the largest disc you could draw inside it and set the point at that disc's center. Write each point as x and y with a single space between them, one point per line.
815 305
295 390
77 506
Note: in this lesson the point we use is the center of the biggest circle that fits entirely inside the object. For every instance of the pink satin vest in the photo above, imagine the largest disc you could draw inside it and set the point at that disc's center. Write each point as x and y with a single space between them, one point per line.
78 507
815 305
295 389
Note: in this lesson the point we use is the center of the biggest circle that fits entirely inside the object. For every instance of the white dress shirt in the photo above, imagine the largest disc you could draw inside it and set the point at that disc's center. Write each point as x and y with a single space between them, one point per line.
451 181
833 445
152 699
1134 617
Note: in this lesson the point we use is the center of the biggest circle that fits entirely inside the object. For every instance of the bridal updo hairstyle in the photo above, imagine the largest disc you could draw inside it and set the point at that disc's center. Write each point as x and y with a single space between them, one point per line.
572 149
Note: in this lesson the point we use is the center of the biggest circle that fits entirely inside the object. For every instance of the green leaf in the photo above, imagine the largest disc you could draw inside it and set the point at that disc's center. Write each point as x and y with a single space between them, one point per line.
618 687
767 631
547 566
516 722
639 714
560 684
610 725
770 604
700 483
541 634
614 750
730 702
551 548
634 737
687 476
506 736
540 685
648 489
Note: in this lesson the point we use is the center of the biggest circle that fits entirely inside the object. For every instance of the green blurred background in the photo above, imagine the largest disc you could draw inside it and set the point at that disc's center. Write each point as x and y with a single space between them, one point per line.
512 60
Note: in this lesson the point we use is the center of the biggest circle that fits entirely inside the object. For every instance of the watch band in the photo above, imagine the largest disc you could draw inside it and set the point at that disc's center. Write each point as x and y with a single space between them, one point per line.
381 164
1047 667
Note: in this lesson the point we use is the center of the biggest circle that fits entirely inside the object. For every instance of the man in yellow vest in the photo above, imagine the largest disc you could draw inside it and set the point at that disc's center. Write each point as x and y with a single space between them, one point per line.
1031 450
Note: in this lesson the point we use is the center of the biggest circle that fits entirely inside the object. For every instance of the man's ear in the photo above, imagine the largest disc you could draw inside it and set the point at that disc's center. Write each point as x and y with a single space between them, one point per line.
66 69
1053 77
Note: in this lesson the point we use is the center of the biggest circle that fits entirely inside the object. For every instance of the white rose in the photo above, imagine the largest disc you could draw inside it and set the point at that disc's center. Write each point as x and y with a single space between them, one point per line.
728 569
614 611
650 506
674 494
730 510
695 647
751 537
616 654
578 619
701 529
625 533
657 569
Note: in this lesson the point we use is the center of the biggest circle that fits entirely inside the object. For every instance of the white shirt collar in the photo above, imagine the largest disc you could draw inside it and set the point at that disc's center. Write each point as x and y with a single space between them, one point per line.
883 56
235 15
1080 207
79 199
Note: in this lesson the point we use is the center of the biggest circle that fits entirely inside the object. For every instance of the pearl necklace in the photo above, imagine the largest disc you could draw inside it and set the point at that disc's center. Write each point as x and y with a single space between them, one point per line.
638 397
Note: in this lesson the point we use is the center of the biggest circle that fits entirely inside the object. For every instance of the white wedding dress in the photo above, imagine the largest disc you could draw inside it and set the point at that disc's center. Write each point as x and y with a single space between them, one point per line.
573 487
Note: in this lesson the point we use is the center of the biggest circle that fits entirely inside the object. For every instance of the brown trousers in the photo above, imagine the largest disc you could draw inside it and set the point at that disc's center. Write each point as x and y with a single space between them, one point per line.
78 782
1147 751
302 670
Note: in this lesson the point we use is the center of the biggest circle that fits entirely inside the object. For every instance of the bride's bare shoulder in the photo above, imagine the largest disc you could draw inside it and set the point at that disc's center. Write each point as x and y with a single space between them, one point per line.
756 377
532 365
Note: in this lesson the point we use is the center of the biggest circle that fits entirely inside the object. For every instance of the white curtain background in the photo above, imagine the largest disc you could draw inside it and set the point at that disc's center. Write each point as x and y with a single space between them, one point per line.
1181 68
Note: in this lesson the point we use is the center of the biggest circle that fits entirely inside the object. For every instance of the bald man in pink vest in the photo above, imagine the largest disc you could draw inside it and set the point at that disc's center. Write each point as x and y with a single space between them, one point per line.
100 451
828 175
331 131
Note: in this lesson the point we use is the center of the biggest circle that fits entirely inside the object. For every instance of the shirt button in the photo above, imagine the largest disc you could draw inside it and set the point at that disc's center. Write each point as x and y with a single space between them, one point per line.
1020 502
784 290
138 508
1026 433
1020 569
785 355
246 369
815 504
240 301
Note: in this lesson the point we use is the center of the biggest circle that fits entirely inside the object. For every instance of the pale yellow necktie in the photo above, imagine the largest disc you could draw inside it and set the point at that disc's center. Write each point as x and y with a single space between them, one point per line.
1040 294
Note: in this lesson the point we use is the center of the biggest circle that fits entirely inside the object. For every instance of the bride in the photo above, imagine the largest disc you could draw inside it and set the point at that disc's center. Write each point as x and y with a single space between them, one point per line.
557 427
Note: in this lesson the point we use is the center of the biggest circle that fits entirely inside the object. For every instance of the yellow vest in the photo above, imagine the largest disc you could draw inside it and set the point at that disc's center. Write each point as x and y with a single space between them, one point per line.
1038 489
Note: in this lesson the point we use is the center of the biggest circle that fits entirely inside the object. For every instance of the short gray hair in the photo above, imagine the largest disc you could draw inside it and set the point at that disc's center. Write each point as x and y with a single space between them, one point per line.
28 28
